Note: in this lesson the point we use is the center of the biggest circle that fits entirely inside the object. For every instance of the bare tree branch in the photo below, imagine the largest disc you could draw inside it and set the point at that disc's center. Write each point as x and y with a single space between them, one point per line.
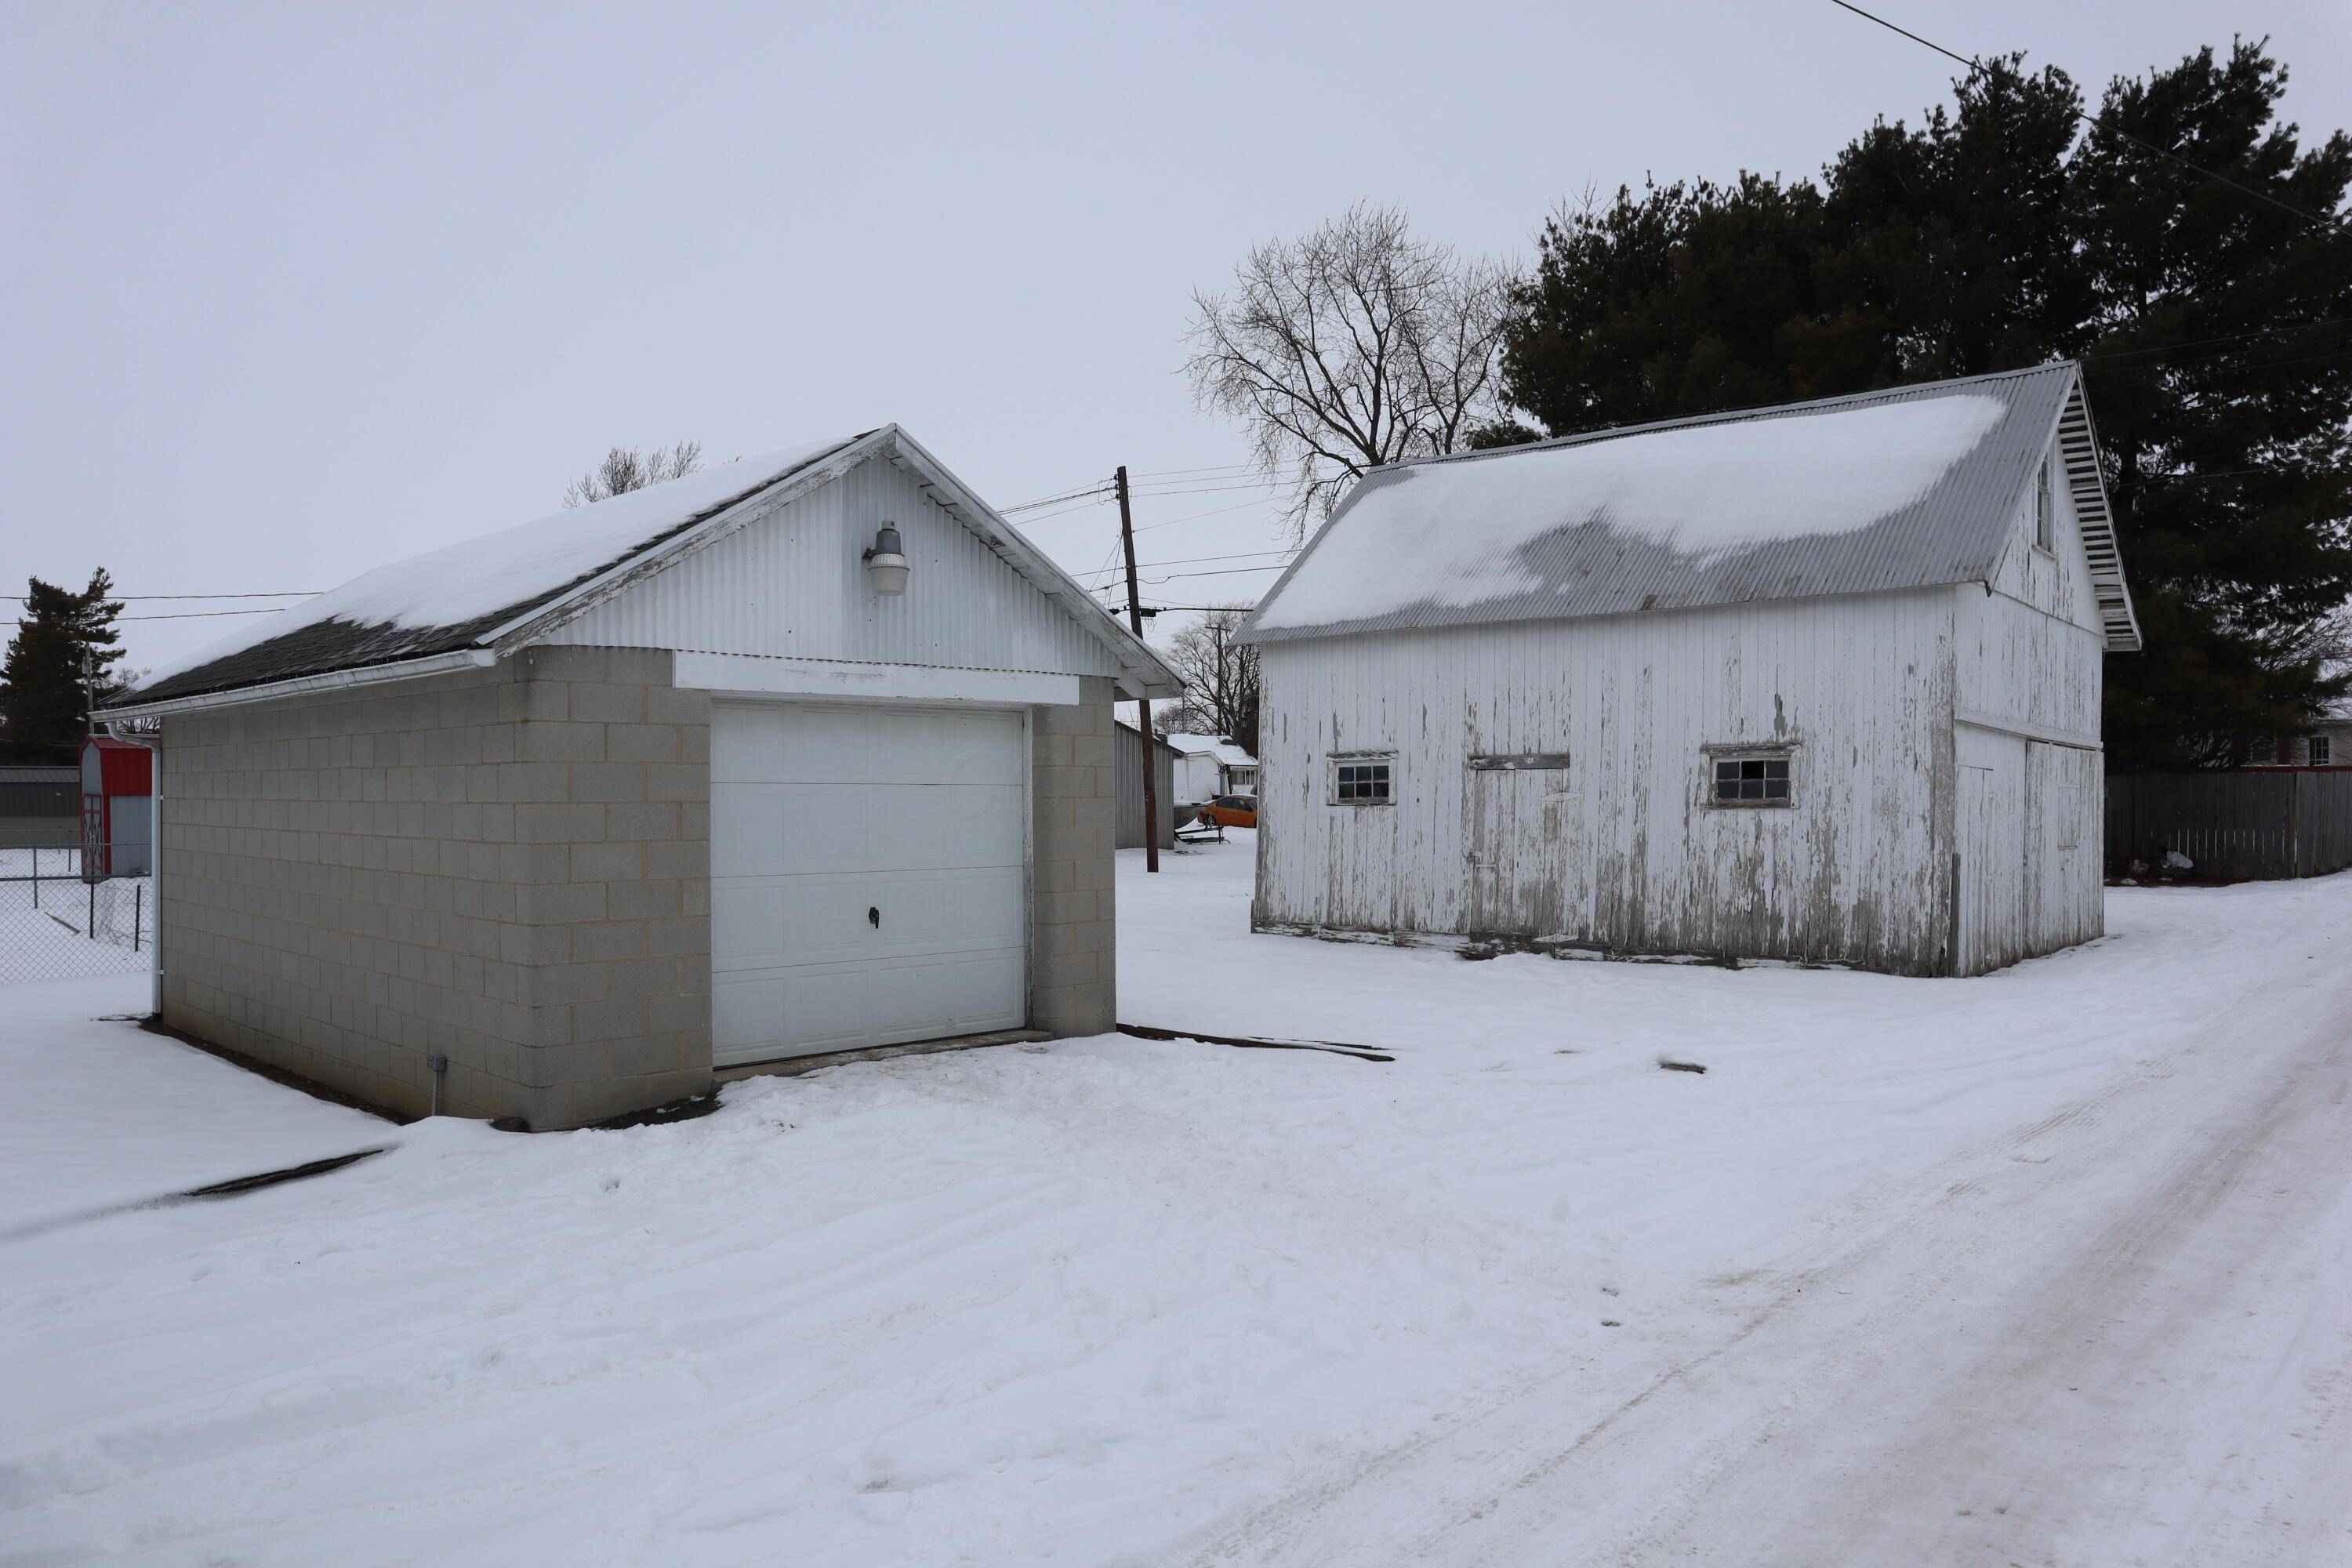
1220 682
1353 347
625 468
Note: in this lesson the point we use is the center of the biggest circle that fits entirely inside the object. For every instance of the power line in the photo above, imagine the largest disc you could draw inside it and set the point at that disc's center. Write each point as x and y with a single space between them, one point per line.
1223 572
1098 489
2224 338
1195 560
1207 490
1212 469
183 615
1975 65
144 598
1195 517
2149 376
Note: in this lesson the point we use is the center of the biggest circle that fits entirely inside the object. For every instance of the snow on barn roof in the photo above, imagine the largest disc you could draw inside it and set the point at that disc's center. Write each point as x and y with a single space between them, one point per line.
504 588
1911 487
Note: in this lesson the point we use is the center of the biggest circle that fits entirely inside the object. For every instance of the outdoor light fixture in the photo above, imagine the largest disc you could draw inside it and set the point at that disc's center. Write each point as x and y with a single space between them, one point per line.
885 563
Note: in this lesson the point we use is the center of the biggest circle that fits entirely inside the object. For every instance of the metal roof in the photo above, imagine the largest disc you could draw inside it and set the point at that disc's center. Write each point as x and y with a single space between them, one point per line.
315 645
1951 532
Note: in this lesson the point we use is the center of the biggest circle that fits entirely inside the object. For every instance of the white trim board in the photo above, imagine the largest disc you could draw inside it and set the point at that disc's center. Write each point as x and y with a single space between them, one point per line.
2025 731
751 675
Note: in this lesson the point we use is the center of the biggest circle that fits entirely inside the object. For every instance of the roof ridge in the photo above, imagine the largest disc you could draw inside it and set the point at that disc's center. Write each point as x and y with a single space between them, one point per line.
1724 417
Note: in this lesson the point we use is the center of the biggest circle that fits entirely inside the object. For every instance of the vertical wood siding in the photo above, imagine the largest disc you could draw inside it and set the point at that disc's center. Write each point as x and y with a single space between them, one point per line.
1943 747
2032 656
792 584
1623 849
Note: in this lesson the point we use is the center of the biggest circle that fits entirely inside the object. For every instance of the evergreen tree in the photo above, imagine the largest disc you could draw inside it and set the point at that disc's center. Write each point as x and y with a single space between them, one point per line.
2001 234
44 710
2220 373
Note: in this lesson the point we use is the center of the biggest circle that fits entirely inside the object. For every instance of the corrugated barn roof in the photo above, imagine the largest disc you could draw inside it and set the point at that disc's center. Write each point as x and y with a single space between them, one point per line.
1911 487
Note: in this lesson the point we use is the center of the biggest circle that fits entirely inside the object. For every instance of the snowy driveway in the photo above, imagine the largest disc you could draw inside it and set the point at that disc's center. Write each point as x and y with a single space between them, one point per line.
1918 1270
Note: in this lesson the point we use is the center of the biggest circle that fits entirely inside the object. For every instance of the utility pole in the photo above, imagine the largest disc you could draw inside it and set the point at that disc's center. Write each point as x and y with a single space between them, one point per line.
1142 701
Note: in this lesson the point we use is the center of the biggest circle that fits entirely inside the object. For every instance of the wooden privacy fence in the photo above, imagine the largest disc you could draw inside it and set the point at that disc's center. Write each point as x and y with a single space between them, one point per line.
2268 824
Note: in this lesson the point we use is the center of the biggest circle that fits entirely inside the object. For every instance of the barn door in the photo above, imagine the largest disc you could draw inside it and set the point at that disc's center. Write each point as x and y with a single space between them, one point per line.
1515 855
1992 850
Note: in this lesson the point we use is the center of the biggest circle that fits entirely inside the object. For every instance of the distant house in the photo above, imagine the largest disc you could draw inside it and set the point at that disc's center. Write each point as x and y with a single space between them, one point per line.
1212 765
2327 744
807 754
1815 682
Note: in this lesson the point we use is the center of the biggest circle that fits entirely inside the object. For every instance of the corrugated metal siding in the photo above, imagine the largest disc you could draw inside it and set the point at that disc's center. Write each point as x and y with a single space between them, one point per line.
1130 825
793 586
1622 850
1954 533
34 792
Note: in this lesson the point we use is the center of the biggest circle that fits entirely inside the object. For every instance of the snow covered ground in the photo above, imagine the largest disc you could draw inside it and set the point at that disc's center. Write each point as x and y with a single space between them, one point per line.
53 926
1519 1294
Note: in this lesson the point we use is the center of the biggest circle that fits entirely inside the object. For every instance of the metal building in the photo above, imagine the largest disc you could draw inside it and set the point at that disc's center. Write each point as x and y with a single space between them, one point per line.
1816 682
1164 759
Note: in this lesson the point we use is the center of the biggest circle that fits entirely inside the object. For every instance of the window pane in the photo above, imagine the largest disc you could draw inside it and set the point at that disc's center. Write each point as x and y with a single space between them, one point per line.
1776 789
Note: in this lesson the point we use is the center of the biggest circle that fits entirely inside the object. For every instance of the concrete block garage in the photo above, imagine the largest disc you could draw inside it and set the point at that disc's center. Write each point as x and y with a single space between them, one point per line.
808 754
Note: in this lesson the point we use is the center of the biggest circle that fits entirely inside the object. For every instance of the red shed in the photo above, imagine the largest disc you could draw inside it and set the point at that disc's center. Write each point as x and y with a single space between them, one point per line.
118 779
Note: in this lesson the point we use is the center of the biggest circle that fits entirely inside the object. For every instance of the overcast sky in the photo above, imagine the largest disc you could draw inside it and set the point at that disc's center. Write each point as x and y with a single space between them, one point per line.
292 291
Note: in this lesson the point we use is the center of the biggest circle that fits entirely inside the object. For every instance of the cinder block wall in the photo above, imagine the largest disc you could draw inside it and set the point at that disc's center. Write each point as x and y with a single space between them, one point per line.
1074 787
510 867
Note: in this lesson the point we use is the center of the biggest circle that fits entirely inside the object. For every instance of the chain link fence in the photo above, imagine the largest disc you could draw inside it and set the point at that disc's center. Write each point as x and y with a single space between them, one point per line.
66 913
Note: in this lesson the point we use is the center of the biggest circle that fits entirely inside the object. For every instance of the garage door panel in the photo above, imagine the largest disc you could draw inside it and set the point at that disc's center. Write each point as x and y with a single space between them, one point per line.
980 750
904 827
747 924
749 820
829 810
746 745
982 911
906 748
925 998
942 912
822 828
984 826
746 1017
824 744
824 919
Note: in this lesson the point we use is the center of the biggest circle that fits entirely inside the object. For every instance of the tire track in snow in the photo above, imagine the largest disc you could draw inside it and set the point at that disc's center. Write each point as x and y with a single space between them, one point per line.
1695 1467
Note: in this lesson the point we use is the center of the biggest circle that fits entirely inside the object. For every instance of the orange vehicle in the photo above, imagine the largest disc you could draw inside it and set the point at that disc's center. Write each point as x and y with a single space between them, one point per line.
1230 810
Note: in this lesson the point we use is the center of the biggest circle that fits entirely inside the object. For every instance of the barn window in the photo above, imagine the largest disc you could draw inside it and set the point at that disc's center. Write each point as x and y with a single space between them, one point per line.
1751 780
1359 781
2322 750
2045 512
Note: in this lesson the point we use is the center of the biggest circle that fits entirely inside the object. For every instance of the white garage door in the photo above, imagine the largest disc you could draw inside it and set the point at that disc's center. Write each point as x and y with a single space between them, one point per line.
867 877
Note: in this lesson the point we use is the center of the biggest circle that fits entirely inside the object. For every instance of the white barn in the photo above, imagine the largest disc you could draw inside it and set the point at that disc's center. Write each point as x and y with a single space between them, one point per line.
1819 682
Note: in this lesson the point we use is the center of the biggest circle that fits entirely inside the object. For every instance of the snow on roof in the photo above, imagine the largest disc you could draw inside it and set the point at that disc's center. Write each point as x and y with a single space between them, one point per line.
1905 488
447 599
1215 746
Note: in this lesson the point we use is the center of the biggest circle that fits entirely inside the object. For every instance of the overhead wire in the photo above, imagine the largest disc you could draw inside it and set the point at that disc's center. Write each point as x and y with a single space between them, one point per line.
2088 119
124 598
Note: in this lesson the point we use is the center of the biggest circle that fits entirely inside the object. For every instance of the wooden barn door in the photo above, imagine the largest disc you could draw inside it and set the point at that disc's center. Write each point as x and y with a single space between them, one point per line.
1993 834
1514 837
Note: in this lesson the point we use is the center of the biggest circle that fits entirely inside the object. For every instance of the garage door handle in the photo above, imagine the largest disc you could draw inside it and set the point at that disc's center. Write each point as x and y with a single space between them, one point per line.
874 917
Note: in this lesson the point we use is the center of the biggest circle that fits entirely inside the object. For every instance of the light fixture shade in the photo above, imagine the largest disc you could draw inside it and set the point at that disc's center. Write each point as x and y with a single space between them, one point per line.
885 562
